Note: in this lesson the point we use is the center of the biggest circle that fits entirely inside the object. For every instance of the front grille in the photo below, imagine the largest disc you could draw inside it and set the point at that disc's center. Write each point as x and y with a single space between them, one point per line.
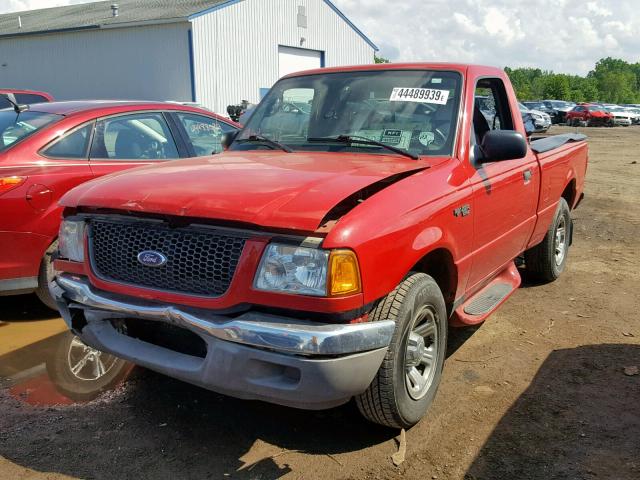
198 261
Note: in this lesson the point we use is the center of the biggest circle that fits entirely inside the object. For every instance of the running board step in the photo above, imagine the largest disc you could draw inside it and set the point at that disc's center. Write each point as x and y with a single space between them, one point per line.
488 299
484 302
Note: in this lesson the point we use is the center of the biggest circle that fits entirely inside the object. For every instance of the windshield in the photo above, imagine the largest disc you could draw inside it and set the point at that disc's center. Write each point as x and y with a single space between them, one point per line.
415 111
14 127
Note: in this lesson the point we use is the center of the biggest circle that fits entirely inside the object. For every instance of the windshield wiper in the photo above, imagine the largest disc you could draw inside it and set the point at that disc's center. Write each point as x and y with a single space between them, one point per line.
268 141
351 139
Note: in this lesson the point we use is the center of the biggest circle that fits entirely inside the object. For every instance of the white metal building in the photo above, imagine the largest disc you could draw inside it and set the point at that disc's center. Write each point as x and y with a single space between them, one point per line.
214 52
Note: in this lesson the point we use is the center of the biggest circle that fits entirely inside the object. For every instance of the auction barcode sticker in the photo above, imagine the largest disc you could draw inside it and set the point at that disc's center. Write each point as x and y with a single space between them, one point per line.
421 95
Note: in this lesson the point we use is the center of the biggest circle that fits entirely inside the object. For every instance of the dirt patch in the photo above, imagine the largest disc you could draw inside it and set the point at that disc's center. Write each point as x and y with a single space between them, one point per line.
537 392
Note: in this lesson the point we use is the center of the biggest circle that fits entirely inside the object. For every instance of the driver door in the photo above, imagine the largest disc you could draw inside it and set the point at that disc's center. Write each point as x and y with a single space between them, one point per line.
131 140
505 193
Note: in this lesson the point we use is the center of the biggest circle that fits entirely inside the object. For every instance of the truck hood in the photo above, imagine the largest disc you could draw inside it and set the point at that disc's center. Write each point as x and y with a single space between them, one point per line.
272 189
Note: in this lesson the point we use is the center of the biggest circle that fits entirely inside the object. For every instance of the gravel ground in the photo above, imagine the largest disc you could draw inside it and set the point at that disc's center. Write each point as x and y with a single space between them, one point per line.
537 392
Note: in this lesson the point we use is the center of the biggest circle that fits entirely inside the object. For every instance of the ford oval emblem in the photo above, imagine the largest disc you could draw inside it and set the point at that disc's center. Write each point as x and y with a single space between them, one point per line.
149 258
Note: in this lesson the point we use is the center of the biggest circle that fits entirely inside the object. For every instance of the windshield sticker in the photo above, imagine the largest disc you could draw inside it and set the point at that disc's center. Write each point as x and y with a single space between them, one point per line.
397 138
420 95
389 136
426 138
369 134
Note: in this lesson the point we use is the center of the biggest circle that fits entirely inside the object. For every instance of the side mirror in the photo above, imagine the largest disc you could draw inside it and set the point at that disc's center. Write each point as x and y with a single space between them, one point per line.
500 145
227 139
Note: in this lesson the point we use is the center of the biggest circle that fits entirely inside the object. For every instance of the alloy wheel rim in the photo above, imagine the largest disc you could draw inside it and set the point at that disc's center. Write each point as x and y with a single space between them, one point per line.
86 363
560 242
421 354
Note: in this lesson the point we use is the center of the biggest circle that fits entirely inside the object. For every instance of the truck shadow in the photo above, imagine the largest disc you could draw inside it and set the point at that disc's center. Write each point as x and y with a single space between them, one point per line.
579 418
157 427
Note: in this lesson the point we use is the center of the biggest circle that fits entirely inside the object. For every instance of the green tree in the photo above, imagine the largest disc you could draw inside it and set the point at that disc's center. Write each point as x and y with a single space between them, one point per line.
378 59
557 87
612 80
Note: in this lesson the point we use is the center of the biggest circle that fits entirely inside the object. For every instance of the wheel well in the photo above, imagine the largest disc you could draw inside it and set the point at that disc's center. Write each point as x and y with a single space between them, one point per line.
439 264
569 193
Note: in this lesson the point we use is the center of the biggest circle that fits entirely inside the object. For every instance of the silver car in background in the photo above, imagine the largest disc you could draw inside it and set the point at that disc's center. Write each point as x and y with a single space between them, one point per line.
621 115
541 120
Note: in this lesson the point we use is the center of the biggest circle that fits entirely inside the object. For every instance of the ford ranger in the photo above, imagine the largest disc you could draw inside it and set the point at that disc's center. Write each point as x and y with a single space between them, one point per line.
359 214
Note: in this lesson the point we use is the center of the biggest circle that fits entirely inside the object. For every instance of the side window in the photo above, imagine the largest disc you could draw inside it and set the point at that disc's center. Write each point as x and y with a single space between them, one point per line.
29 98
491 110
204 133
140 136
71 145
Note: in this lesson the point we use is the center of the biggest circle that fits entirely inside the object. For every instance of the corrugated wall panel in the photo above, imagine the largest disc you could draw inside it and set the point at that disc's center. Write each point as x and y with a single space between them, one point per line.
236 48
142 63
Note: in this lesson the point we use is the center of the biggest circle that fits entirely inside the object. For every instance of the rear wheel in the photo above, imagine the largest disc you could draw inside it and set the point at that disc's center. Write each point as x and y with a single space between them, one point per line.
547 260
409 376
46 276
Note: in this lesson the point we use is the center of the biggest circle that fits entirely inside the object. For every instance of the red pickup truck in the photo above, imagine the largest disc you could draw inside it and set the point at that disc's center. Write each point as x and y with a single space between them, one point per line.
359 213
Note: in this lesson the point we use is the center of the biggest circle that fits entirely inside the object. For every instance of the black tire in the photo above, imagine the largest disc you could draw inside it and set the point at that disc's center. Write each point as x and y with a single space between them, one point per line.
542 261
387 401
81 386
46 276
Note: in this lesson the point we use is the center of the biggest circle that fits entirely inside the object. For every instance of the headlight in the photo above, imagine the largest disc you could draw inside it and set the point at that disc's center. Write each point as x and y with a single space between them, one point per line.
307 271
536 116
71 240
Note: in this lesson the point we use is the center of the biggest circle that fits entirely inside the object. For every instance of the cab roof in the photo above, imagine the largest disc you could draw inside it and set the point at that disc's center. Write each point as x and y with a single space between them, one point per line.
457 67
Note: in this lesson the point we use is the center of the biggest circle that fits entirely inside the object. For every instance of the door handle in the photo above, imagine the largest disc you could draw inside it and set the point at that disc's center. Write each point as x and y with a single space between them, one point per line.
527 175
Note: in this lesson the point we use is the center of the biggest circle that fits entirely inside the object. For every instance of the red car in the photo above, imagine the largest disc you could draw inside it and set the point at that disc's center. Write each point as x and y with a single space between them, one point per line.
589 115
23 97
325 253
52 147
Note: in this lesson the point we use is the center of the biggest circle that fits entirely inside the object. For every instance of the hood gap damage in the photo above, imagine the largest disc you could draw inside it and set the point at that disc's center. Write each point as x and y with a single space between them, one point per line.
347 204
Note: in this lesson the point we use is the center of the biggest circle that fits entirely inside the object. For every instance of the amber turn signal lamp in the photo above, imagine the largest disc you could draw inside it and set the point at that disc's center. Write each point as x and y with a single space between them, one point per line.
9 183
344 274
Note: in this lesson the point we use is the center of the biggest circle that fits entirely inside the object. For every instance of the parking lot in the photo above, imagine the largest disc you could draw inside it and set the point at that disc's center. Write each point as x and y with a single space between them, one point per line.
539 391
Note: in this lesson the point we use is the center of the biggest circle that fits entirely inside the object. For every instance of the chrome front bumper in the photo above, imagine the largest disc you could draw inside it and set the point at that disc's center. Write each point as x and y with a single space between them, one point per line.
252 355
281 334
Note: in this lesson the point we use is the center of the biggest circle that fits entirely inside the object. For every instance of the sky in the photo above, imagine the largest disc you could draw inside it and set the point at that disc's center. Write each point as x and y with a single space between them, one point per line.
566 36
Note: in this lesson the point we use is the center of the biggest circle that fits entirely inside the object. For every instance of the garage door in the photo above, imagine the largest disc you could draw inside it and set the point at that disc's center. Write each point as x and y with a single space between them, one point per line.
295 59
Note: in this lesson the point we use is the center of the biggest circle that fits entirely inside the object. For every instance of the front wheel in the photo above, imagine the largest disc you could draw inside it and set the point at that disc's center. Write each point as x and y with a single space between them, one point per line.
409 376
